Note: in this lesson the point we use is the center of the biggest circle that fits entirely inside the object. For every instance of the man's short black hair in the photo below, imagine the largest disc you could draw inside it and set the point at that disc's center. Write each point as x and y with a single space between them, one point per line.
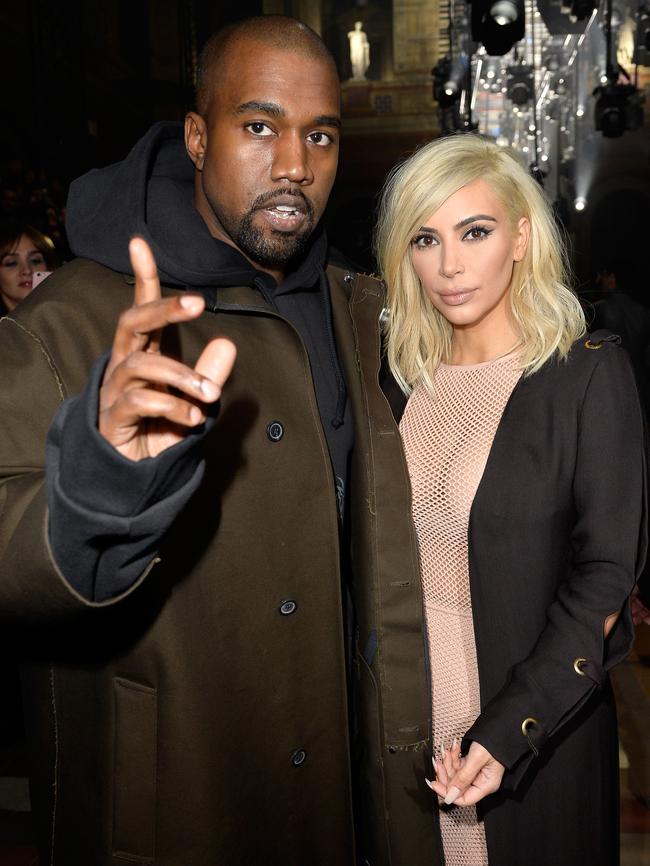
276 31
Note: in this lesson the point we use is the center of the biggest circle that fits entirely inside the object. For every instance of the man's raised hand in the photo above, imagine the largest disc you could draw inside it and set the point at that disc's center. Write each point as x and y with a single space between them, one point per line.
148 402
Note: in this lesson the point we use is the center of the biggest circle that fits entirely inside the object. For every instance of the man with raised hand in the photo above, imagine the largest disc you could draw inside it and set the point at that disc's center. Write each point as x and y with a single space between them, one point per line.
213 565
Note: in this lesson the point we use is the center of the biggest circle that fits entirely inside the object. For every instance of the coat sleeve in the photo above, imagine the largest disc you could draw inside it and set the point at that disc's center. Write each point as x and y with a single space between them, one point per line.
90 534
608 542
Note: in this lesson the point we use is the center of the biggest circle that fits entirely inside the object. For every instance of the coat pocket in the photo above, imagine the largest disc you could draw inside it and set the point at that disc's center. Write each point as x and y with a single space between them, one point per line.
134 794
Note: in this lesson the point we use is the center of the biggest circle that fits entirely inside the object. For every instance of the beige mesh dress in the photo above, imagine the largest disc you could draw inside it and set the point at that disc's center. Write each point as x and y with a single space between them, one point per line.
447 438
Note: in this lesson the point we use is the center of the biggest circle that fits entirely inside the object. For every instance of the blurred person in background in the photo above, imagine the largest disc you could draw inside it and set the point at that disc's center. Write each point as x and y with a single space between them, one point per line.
24 251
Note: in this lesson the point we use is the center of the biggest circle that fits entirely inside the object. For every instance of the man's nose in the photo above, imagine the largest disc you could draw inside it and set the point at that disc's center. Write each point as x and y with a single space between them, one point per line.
291 160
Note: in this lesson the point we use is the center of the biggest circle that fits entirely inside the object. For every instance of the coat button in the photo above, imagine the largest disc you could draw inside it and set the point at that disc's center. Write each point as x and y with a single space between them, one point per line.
288 607
298 757
275 431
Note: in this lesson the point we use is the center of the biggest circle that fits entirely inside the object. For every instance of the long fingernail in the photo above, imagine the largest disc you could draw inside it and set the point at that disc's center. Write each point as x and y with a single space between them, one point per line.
452 795
429 782
454 744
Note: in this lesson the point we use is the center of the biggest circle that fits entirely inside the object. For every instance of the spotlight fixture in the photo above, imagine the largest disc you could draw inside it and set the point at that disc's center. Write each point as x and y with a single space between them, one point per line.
618 109
520 84
497 24
581 9
580 203
504 12
449 78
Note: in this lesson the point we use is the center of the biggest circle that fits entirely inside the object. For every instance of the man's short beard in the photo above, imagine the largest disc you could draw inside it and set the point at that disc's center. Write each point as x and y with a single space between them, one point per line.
274 251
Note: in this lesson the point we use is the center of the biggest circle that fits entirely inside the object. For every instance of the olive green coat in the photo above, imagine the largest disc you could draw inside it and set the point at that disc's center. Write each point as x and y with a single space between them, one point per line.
189 722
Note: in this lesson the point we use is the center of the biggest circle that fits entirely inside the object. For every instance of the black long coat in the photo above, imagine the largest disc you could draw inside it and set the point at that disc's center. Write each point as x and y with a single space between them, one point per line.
555 542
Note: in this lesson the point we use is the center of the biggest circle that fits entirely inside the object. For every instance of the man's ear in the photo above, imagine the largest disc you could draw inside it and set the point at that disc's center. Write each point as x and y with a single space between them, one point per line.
196 138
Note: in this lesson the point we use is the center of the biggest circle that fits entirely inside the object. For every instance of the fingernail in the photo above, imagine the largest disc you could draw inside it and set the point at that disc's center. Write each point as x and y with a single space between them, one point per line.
190 302
454 744
452 794
208 388
196 415
429 782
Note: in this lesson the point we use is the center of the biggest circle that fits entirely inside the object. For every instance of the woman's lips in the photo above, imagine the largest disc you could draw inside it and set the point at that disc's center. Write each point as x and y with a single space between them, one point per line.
454 299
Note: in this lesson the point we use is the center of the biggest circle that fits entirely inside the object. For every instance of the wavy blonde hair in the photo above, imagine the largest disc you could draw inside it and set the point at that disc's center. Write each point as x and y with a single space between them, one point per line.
545 311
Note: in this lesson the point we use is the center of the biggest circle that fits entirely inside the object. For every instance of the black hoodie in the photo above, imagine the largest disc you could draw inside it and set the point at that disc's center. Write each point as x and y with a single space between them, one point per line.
150 194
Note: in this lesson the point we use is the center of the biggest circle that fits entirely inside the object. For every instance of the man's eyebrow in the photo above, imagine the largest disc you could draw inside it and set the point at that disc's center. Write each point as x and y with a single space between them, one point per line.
275 110
271 108
479 216
328 120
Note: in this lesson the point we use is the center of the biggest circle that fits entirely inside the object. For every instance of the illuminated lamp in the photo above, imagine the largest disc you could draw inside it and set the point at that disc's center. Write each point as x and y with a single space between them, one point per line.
497 24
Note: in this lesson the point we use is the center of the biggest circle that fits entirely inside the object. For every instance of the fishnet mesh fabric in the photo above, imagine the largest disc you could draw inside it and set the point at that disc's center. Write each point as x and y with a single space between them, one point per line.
447 438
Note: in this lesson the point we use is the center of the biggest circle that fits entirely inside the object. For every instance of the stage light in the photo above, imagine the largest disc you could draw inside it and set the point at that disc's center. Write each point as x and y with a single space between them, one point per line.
504 12
520 84
449 79
497 24
618 109
581 9
580 203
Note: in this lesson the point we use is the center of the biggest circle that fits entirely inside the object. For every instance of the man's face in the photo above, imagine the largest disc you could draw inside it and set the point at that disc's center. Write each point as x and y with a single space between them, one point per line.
267 152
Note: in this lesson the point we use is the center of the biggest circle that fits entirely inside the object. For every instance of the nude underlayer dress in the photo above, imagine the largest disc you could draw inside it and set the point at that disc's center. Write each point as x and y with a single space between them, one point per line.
447 438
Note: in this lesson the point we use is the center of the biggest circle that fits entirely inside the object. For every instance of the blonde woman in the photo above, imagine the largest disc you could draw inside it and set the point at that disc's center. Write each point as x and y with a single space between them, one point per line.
524 444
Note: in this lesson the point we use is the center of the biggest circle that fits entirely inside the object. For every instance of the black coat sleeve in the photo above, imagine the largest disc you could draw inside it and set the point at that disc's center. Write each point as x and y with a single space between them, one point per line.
571 656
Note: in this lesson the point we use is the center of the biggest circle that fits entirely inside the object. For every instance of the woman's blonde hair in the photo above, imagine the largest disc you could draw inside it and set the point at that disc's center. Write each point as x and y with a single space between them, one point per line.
546 312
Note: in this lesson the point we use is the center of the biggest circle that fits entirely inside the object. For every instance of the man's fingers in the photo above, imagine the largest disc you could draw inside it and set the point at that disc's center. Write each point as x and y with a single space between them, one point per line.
215 364
147 370
139 327
147 284
117 423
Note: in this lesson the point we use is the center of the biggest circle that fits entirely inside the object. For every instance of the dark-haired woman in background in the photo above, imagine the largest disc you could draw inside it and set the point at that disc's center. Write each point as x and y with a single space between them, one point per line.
24 251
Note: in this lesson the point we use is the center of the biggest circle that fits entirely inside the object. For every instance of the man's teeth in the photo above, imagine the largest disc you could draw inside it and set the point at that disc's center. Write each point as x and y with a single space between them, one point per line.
284 209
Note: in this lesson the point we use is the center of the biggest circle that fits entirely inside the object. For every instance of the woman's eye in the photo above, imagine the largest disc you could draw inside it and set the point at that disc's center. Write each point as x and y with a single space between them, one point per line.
259 128
322 139
9 263
423 241
477 233
36 261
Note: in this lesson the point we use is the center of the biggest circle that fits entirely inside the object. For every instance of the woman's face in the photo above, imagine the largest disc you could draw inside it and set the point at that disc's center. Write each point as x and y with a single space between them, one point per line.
16 270
464 256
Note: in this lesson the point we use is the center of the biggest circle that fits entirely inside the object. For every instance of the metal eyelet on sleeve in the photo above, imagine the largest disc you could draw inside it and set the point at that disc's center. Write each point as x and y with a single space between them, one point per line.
577 667
526 724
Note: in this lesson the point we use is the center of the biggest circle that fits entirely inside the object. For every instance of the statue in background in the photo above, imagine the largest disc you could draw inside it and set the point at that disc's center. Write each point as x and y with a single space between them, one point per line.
359 52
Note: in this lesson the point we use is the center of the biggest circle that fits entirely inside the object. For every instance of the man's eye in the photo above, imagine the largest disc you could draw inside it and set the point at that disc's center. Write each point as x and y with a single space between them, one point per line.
322 139
259 128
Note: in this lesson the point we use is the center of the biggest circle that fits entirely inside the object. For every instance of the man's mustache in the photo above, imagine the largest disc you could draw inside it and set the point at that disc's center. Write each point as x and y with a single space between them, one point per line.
270 198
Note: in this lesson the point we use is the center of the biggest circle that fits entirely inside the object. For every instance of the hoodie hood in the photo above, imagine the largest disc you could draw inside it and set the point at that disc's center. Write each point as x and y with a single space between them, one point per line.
150 194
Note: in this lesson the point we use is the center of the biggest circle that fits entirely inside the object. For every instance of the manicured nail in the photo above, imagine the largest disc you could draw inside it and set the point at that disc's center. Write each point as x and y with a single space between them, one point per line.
452 795
454 744
429 782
